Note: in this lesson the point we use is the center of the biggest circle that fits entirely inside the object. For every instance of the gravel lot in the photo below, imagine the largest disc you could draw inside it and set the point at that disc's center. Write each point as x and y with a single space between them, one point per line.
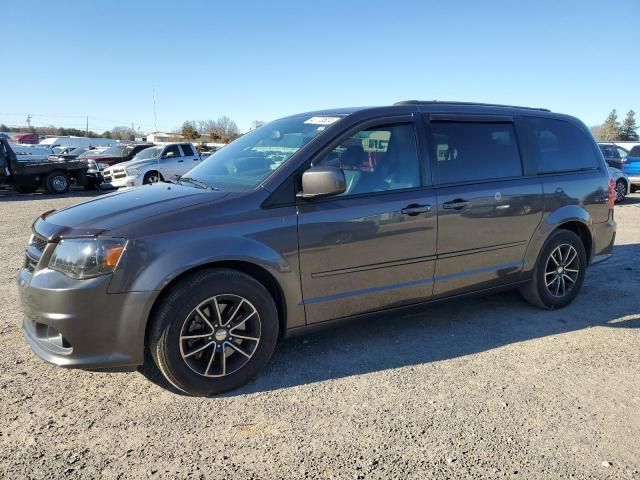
481 388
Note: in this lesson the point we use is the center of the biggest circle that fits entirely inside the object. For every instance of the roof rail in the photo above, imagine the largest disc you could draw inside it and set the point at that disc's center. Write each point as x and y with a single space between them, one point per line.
444 102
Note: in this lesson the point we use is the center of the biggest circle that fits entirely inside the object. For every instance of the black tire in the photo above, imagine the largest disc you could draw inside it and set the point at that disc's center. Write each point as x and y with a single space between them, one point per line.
621 190
175 311
634 189
26 188
536 292
152 177
57 182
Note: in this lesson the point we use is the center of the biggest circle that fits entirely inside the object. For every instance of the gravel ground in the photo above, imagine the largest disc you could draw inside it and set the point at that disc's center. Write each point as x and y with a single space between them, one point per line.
480 388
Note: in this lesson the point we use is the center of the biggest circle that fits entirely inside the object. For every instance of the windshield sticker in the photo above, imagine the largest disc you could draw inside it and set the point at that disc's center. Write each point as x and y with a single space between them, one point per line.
322 120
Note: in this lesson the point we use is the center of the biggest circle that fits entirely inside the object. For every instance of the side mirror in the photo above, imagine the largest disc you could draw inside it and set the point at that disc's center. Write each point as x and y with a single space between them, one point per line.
322 181
168 155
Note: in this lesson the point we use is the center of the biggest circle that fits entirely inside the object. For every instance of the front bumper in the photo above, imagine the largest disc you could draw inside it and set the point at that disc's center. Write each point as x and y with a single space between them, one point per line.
78 324
128 181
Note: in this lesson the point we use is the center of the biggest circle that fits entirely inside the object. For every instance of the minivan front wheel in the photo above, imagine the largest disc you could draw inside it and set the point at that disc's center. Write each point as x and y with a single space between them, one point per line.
213 332
559 271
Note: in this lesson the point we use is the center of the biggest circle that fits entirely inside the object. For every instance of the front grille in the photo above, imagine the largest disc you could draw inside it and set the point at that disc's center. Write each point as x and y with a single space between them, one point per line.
119 175
106 178
34 252
39 242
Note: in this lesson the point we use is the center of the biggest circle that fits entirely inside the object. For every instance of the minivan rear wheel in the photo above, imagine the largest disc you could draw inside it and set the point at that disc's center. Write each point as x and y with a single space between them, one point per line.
213 332
559 272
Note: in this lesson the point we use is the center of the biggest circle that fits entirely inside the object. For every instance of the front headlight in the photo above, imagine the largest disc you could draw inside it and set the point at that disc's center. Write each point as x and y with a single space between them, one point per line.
87 258
133 171
101 166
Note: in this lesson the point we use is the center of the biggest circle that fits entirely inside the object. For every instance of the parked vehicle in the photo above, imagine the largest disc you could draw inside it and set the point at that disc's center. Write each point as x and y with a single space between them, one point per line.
92 153
151 165
26 138
31 153
623 184
632 168
311 218
614 155
27 174
78 142
68 153
119 153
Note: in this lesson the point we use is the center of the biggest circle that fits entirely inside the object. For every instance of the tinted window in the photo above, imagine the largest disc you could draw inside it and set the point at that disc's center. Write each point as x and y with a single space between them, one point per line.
473 151
622 152
635 151
187 150
609 152
377 160
561 146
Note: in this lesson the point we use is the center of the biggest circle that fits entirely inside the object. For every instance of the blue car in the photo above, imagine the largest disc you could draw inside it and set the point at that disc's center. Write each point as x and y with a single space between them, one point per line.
632 168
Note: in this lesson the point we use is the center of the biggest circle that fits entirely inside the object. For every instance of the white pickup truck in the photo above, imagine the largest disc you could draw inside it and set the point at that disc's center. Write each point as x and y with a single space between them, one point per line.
153 164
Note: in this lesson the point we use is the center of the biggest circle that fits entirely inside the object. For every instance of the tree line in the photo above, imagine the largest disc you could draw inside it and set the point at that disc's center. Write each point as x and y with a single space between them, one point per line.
223 130
613 130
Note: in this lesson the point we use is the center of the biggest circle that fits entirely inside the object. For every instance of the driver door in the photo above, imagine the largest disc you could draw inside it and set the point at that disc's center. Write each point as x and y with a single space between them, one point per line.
170 161
372 247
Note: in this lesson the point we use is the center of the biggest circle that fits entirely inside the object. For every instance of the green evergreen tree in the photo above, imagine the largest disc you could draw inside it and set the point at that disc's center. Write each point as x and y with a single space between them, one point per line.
629 129
611 128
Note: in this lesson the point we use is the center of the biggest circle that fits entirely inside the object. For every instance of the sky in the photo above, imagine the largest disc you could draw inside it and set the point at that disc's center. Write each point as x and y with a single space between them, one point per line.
261 60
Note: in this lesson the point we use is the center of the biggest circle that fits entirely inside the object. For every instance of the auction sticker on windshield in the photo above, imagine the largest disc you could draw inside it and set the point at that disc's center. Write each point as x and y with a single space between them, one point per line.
322 120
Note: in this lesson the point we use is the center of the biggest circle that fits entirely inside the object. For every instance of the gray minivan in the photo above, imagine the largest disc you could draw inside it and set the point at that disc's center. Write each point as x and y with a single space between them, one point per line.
312 218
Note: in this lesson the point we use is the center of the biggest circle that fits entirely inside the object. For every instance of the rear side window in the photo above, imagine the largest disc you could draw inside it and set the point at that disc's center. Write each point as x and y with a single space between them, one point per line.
473 151
635 151
188 151
561 146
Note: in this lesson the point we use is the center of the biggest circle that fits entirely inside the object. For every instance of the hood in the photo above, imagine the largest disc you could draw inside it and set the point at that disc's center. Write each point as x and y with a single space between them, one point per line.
116 210
138 163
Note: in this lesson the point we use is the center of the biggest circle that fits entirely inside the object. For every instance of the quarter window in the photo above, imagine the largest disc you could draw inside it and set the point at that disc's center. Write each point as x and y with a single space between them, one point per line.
561 146
377 159
474 151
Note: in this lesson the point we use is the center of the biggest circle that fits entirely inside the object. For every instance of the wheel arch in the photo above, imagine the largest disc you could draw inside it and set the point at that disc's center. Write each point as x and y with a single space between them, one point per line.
257 272
572 218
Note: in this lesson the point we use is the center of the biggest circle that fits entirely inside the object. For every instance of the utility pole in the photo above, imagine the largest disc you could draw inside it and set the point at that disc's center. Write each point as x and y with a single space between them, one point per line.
29 120
155 117
87 134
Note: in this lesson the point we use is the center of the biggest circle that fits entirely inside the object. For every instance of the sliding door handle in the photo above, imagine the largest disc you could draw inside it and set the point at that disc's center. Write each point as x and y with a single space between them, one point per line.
415 209
457 204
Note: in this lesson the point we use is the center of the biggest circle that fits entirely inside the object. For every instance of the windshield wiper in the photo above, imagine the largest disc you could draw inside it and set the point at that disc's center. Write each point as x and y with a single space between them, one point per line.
197 183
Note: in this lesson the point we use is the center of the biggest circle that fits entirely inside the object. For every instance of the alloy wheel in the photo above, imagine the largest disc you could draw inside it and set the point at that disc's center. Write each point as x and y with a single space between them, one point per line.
59 183
220 335
562 270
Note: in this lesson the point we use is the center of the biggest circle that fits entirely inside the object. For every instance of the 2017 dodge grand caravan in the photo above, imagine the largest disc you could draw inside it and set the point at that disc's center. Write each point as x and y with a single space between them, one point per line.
312 218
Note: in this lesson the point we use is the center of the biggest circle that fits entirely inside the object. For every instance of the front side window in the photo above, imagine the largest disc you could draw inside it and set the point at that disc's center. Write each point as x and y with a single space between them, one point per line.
561 146
474 151
377 159
172 151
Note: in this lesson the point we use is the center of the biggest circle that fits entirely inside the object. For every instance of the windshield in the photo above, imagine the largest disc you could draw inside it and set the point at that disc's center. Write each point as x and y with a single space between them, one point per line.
116 151
247 162
78 151
148 153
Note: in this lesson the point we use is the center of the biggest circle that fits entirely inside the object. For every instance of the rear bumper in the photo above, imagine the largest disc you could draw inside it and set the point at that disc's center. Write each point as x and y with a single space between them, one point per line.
77 324
635 180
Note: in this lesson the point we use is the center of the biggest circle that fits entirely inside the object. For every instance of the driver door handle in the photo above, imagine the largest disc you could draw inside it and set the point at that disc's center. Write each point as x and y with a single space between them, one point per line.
415 209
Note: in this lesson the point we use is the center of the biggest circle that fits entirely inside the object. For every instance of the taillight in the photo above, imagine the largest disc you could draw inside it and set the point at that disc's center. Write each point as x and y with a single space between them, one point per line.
612 192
